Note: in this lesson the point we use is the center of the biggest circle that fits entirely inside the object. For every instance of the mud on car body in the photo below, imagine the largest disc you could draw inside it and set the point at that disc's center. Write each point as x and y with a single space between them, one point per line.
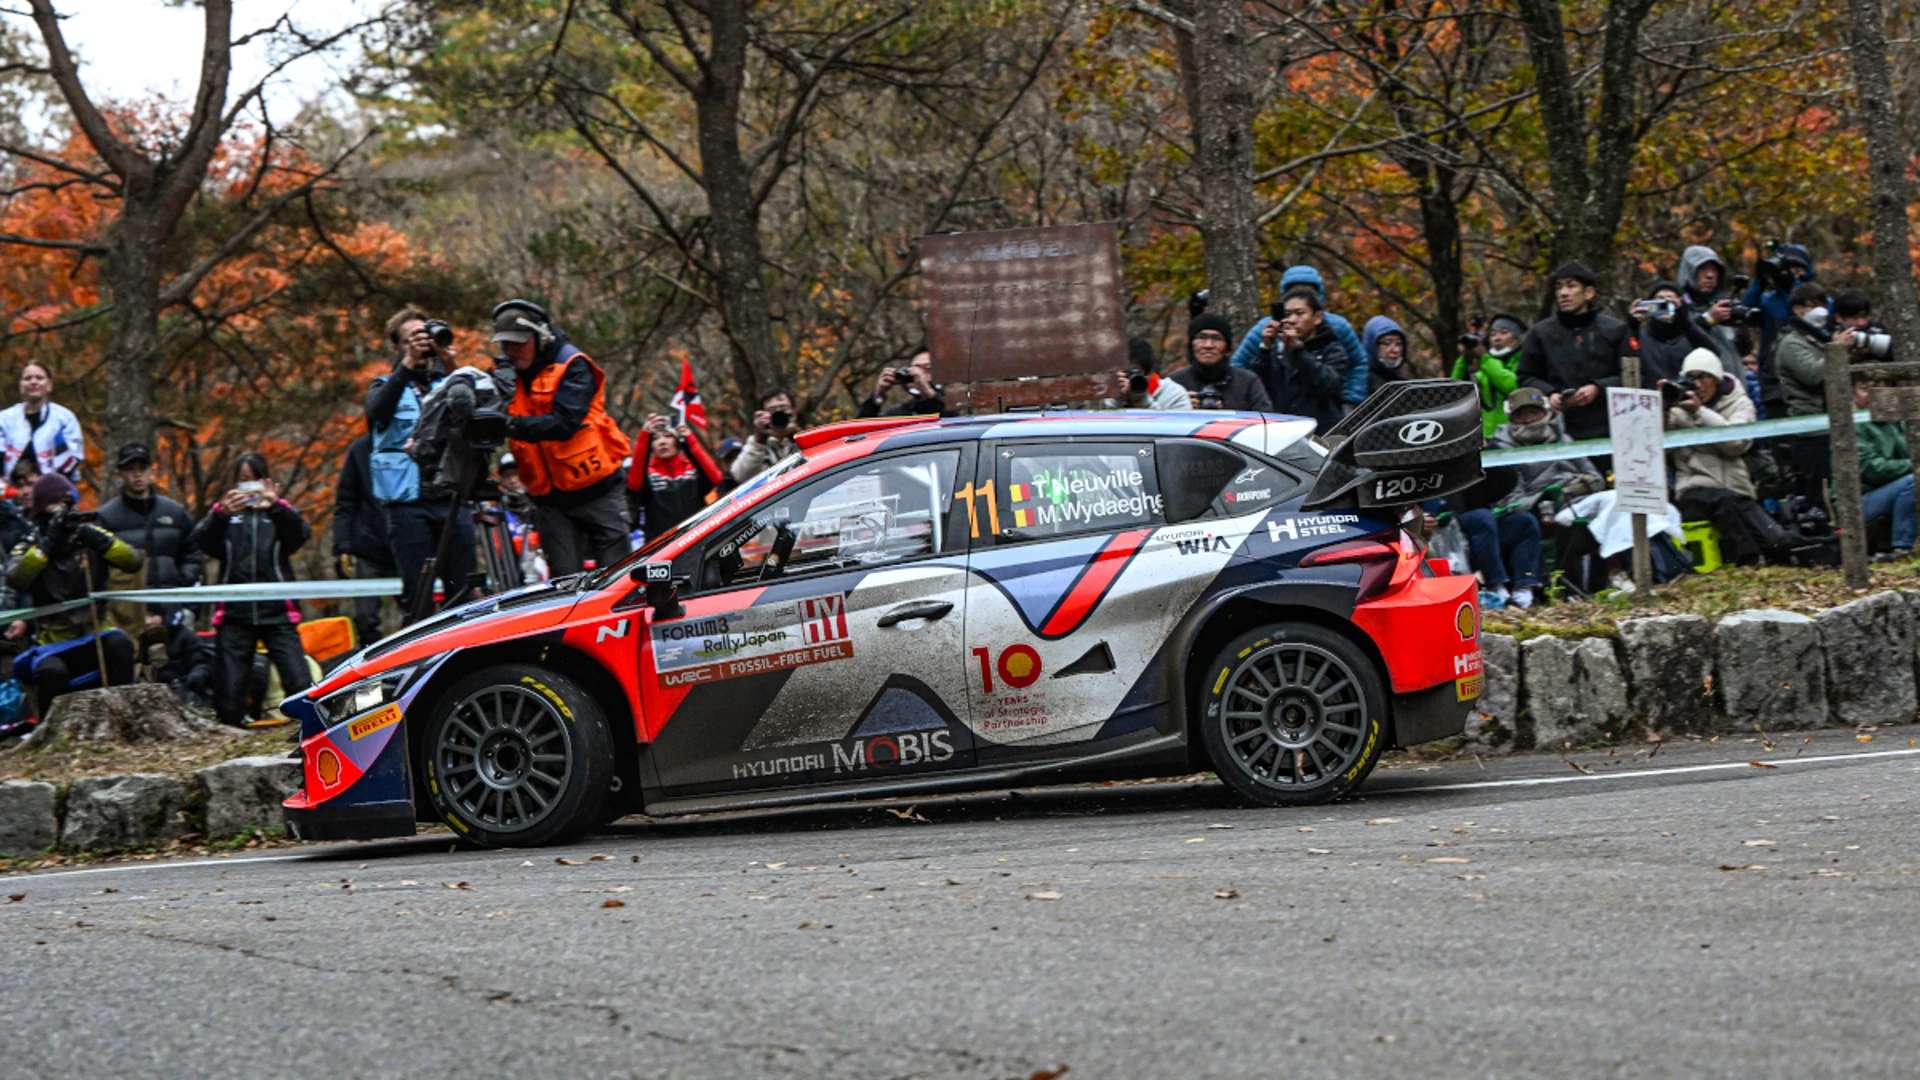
912 606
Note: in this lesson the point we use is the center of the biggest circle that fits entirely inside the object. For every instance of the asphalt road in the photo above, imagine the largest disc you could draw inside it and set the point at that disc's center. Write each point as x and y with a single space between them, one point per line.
1509 918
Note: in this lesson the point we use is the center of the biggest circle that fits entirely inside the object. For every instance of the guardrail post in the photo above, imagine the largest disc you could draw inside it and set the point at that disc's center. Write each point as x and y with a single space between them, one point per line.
1845 455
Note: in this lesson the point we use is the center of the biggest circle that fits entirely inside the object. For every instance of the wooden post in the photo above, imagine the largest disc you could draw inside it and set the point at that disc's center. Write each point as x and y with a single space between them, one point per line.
1642 547
1845 450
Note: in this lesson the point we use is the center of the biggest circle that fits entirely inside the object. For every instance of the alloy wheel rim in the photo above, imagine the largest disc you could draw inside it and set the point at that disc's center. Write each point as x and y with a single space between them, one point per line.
504 757
1292 716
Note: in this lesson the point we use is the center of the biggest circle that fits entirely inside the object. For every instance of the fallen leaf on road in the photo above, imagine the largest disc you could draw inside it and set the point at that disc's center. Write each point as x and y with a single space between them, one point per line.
599 858
1198 840
406 881
909 814
614 903
1761 765
1744 866
811 925
1577 767
1827 871
529 862
564 861
1225 894
776 866
453 884
633 858
953 881
1304 828
14 898
1470 877
1219 826
1043 896
1385 821
1049 1074
1863 738
1449 859
1319 851
619 888
1759 843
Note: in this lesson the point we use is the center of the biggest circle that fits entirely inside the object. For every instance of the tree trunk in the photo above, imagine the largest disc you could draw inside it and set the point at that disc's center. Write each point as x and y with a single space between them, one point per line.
1890 192
1440 227
132 276
1220 108
734 216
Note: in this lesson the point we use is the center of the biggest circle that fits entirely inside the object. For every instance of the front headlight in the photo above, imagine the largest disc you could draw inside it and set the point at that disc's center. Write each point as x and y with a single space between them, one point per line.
363 696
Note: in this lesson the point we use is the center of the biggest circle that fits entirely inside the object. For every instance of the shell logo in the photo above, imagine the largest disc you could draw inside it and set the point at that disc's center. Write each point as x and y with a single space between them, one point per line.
1466 621
326 765
1019 666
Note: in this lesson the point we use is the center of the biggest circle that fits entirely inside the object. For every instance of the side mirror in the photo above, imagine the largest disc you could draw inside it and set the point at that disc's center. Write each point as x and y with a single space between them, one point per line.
662 595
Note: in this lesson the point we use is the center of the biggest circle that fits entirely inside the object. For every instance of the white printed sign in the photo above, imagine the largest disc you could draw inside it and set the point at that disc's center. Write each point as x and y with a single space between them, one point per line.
1639 456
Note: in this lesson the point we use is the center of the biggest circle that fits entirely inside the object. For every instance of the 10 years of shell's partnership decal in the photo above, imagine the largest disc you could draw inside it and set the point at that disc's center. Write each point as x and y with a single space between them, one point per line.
753 640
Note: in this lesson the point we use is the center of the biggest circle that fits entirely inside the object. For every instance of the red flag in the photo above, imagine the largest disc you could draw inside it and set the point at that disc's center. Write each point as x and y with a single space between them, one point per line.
686 399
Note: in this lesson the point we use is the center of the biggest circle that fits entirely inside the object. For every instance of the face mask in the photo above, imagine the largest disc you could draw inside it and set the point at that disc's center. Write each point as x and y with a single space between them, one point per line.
1501 352
1534 434
1817 318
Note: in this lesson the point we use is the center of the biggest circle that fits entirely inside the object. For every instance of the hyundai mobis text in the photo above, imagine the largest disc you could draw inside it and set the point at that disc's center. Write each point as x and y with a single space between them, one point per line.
909 606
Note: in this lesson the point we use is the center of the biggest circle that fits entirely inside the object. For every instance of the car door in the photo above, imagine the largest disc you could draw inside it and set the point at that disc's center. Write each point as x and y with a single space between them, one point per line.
822 638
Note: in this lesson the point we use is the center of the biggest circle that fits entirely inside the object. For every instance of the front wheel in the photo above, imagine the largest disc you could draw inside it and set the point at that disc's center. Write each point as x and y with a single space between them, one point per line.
517 756
1292 715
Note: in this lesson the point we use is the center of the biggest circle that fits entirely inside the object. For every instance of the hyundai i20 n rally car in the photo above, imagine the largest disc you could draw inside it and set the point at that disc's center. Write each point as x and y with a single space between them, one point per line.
911 606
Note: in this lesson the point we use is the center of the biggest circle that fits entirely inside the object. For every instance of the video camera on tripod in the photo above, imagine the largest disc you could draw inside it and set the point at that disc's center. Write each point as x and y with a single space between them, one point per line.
462 422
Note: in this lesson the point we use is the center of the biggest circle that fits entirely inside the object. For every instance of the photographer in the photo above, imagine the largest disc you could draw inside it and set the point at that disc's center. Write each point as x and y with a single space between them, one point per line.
361 548
1777 272
1711 481
1209 380
567 448
1668 332
1702 280
923 398
254 533
1800 361
1574 354
1306 369
1142 388
159 528
67 559
774 425
40 428
1489 362
1853 311
671 477
1263 333
416 509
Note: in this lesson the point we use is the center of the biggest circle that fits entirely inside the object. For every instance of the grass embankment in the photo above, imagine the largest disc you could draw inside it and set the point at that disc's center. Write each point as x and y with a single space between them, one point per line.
184 757
1722 592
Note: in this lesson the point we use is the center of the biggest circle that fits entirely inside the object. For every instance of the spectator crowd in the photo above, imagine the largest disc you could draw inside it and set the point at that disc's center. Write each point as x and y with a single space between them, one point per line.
422 497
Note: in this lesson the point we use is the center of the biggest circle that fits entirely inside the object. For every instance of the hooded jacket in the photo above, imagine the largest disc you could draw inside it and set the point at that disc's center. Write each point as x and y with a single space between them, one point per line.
1496 377
1777 314
1356 389
1378 373
1714 465
1564 352
1691 260
1309 379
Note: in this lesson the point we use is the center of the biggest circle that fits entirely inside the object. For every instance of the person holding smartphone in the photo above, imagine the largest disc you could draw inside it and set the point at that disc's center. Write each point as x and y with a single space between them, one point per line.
775 424
254 532
671 477
1669 332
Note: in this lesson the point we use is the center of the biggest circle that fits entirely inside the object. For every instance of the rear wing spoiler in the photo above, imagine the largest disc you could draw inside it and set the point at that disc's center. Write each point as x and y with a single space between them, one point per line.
1411 441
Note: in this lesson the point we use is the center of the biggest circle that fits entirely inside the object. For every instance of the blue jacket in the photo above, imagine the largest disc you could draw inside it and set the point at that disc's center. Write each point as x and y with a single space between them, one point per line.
1778 313
393 412
1356 390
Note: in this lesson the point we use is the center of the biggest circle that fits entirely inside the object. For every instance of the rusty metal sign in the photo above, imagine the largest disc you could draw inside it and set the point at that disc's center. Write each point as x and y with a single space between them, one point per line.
1891 404
1026 316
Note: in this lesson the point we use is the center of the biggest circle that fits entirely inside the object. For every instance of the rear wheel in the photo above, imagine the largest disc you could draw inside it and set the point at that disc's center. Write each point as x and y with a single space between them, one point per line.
1292 715
517 756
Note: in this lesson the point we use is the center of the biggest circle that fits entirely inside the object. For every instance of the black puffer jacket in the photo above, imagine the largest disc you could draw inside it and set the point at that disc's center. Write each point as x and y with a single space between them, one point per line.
254 545
359 526
1563 353
163 529
1239 388
1308 379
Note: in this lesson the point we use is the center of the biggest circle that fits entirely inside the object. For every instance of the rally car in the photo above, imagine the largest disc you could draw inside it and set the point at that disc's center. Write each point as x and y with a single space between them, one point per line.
913 605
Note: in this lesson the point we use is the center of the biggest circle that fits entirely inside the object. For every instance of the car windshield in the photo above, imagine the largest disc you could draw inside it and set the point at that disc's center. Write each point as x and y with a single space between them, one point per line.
601 578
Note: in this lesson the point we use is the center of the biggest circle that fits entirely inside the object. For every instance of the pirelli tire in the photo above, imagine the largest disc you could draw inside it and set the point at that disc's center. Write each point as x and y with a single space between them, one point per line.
1292 714
517 755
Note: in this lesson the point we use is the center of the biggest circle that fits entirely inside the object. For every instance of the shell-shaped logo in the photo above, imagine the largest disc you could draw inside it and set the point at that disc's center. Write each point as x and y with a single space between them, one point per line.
1465 621
327 766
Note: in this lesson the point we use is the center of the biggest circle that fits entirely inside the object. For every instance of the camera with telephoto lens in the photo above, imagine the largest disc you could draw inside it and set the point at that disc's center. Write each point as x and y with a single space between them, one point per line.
1474 341
1197 304
1136 381
1673 390
1209 398
440 332
1773 268
780 420
1873 340
1749 316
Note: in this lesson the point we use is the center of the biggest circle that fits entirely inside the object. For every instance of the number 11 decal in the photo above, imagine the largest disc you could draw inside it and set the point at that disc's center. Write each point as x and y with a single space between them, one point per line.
993 508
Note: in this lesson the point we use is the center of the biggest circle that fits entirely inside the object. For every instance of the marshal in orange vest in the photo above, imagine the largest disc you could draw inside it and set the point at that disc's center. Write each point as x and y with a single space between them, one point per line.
591 455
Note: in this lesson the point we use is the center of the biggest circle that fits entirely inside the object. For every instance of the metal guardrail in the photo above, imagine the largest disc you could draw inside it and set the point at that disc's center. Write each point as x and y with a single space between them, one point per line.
1674 440
216 594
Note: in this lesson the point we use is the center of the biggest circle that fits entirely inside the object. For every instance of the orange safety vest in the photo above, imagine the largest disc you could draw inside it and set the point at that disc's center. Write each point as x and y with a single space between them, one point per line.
591 455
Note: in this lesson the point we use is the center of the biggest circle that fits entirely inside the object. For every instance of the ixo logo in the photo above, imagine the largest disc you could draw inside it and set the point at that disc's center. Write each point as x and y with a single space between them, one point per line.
1419 432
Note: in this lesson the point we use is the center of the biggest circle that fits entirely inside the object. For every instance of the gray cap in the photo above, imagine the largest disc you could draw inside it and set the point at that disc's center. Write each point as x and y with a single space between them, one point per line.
514 324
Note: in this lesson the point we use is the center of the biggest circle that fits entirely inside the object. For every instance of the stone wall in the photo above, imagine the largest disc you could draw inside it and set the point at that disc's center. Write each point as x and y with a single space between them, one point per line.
109 813
1685 675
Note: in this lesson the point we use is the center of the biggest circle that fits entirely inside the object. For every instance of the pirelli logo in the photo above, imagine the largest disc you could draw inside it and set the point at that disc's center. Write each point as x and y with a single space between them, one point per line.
385 717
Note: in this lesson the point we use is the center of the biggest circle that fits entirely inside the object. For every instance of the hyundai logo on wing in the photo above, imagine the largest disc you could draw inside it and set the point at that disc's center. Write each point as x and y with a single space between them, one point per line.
1419 432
